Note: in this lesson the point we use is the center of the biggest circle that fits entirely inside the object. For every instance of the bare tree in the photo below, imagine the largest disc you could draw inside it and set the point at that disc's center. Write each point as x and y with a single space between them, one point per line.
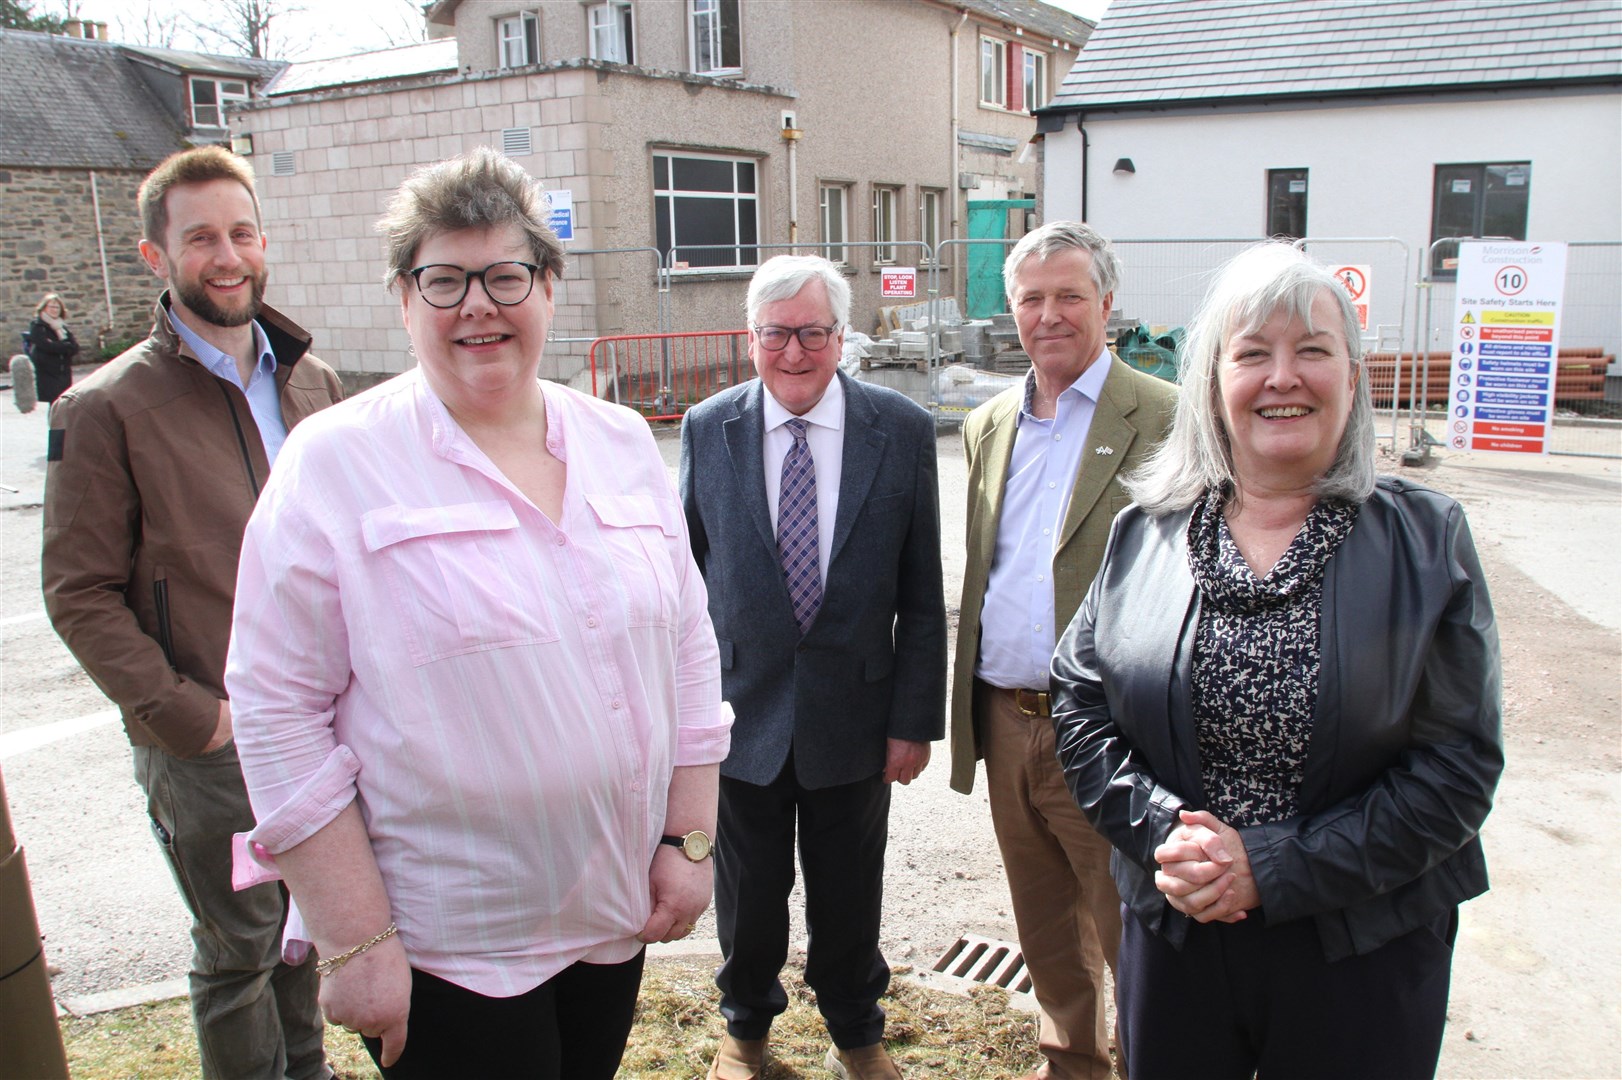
149 26
249 28
403 24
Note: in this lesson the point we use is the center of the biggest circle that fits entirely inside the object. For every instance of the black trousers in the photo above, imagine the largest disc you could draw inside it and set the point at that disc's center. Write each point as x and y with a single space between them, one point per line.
571 1027
1247 999
842 834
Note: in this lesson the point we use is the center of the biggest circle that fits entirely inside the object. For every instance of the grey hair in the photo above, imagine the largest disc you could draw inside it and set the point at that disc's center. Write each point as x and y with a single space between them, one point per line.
479 190
1060 236
783 276
1260 282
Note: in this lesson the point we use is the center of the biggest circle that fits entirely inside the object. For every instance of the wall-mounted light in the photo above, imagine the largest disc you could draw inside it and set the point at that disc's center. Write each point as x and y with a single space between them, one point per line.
1124 167
242 145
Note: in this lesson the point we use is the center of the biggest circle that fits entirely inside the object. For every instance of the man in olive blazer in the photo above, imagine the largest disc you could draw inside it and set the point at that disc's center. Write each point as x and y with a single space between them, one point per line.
835 671
1046 459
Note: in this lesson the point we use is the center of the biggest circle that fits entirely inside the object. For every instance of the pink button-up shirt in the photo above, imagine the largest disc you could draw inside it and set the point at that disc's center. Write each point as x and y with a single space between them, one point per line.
506 697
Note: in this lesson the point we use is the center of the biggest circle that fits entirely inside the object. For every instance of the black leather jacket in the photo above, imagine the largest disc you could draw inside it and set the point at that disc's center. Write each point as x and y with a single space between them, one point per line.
1406 747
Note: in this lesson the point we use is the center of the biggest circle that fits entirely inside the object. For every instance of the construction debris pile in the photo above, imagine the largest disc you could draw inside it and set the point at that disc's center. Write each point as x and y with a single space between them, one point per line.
965 361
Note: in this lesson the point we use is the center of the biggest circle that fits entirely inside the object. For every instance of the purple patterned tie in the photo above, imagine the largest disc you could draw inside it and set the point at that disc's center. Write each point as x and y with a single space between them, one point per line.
797 527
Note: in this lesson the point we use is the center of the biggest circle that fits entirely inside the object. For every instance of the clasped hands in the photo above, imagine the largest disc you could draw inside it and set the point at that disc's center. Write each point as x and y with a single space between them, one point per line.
1205 871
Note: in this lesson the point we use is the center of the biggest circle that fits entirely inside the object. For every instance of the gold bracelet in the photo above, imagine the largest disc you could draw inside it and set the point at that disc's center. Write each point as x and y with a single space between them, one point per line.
327 967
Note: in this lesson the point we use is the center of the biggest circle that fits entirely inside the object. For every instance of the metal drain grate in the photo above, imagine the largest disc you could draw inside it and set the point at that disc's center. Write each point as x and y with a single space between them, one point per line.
985 960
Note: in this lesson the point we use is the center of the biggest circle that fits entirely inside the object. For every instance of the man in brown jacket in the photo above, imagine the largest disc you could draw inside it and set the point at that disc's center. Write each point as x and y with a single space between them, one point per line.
154 464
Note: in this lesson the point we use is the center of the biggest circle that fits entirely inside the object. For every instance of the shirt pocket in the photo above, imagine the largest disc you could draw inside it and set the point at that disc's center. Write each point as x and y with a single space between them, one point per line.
638 531
462 578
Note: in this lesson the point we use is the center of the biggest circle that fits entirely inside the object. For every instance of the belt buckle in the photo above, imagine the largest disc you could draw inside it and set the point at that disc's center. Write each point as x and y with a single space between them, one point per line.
1036 711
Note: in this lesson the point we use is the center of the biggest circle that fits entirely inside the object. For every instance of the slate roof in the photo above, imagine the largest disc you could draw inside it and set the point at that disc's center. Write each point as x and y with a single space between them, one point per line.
404 61
1174 52
1045 19
72 103
243 67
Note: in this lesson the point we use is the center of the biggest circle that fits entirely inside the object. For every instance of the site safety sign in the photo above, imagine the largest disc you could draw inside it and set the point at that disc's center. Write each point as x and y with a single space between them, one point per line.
1506 346
1355 280
898 281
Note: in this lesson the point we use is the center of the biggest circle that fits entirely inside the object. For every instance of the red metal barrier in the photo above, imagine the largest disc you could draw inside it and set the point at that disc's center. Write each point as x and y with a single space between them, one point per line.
662 375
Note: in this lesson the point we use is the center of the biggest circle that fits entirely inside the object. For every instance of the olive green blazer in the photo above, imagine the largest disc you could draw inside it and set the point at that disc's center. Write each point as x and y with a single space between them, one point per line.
1134 413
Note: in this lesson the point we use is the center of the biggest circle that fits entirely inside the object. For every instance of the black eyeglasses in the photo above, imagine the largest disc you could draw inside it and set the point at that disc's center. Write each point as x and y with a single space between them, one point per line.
775 338
507 283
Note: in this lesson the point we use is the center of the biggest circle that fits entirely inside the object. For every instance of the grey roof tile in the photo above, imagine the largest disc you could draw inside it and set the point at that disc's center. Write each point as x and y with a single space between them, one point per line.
75 103
1164 51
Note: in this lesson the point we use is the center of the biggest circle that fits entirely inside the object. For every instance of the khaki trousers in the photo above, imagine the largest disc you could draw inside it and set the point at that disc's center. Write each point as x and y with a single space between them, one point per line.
1066 907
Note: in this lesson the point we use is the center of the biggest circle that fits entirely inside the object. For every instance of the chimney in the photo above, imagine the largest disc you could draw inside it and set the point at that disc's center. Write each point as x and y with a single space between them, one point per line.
101 31
75 28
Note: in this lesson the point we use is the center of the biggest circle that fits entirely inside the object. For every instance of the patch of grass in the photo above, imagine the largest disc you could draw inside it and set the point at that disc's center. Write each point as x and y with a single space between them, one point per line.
929 1033
156 1042
678 1027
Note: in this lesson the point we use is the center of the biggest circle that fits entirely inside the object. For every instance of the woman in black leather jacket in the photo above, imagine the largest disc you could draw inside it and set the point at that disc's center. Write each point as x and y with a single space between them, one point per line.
51 347
1280 703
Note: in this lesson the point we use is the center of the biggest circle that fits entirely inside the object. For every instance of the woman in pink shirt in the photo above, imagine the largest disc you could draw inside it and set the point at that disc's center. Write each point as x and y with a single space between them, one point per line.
475 687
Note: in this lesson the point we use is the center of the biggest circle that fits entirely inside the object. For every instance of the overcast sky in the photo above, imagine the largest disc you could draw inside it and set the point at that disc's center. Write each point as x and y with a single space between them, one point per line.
321 29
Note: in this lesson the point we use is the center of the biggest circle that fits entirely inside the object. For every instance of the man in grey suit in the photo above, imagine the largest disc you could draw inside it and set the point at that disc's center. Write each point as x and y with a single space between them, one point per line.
812 504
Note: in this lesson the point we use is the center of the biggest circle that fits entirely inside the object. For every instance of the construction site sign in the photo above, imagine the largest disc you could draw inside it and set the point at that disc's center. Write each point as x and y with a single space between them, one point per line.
1356 281
898 281
1506 346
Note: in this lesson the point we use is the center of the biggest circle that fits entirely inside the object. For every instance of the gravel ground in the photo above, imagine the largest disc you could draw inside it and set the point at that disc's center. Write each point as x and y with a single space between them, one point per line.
1539 963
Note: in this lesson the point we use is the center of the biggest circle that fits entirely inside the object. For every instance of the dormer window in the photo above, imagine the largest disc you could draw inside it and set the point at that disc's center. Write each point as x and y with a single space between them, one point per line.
209 97
518 40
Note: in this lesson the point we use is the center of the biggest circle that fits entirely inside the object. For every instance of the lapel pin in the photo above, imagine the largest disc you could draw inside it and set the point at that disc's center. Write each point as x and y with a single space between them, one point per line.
1103 449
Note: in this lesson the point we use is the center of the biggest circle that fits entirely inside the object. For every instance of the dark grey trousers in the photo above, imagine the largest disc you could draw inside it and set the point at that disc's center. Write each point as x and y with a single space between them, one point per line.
256 1017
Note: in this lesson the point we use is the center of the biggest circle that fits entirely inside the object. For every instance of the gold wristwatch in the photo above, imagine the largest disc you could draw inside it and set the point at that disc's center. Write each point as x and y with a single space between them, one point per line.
695 845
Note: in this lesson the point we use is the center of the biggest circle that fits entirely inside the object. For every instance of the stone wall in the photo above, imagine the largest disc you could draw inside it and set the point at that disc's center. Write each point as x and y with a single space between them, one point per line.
48 244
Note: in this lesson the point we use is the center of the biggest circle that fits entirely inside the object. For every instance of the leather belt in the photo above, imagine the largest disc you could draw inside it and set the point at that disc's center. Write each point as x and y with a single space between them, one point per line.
1029 703
1032 703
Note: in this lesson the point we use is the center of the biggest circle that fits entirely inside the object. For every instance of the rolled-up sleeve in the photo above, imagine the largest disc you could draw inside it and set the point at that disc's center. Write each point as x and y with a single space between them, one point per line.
289 660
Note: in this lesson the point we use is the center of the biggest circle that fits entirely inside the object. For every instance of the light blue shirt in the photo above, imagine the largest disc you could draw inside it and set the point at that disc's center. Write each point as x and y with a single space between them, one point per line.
1017 635
263 400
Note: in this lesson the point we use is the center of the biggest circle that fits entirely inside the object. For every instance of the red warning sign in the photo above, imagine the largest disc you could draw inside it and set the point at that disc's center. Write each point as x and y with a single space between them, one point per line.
1355 279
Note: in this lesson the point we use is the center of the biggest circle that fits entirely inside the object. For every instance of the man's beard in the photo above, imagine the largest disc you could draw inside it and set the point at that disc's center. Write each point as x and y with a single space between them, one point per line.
194 294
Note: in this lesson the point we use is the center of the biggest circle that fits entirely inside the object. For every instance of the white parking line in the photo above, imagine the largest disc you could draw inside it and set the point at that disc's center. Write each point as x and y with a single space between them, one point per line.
32 616
20 742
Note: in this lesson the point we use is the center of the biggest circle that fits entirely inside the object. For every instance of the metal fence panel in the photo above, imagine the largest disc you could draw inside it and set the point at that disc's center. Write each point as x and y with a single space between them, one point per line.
662 375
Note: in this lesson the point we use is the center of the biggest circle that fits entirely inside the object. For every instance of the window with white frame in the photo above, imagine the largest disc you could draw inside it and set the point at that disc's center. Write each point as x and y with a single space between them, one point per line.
929 220
518 40
835 231
1036 79
610 27
706 208
885 232
993 72
209 97
714 26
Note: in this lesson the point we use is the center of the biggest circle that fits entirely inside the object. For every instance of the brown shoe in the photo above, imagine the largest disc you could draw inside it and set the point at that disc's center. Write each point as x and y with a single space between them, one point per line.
861 1063
738 1059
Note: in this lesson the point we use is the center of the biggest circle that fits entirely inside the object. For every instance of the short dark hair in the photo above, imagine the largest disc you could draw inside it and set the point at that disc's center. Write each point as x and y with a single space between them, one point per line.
199 165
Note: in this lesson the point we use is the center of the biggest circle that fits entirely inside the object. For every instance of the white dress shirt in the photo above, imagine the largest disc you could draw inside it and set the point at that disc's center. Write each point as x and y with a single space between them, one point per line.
825 436
1017 635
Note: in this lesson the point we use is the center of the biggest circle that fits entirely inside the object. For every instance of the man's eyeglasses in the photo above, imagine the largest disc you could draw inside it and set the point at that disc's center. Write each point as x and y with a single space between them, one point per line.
775 338
507 283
